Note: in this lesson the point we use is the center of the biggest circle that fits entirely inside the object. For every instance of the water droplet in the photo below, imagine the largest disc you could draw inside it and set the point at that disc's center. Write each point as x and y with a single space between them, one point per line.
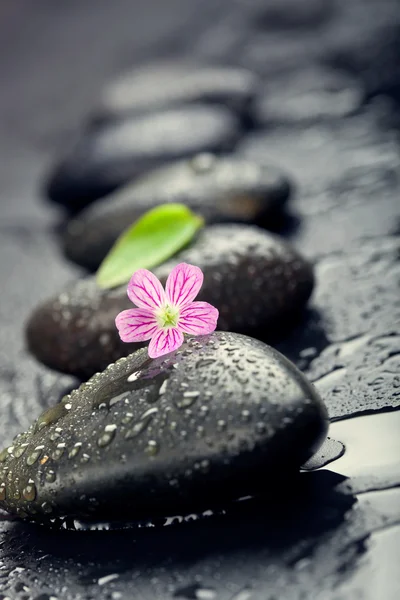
221 425
29 492
18 452
187 399
134 376
246 416
108 435
152 448
85 458
3 491
46 507
3 455
163 387
50 476
16 495
33 457
127 418
115 399
75 450
142 424
204 362
59 451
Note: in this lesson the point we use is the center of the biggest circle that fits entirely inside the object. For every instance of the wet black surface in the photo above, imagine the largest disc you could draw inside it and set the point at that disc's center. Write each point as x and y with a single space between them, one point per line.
328 537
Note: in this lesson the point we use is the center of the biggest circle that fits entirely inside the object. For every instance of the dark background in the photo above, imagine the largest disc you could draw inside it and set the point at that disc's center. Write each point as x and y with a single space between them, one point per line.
326 538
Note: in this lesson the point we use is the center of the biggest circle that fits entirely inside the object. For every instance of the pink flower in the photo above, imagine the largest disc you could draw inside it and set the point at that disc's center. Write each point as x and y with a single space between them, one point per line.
164 316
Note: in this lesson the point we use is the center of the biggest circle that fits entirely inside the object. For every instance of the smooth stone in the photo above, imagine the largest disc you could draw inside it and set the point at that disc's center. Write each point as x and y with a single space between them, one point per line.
220 189
163 85
116 153
309 96
223 417
258 282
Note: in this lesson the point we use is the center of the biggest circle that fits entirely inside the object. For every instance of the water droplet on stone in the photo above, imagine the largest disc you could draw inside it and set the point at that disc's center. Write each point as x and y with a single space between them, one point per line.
108 435
163 387
246 415
152 448
75 450
134 376
33 457
142 424
58 452
29 492
46 507
50 476
221 425
18 452
187 399
3 491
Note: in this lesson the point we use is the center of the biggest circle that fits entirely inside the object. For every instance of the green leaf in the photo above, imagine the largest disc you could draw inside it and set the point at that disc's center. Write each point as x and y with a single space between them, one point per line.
151 240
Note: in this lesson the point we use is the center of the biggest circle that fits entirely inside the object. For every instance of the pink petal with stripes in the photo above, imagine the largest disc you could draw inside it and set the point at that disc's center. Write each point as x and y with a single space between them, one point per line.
145 290
183 284
164 341
136 325
199 318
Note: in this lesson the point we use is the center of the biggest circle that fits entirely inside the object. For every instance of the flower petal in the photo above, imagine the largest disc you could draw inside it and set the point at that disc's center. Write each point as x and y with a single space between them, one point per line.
183 284
164 341
136 325
198 318
145 290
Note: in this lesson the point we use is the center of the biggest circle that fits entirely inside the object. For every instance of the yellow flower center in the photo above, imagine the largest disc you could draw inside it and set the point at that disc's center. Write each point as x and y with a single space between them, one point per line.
167 316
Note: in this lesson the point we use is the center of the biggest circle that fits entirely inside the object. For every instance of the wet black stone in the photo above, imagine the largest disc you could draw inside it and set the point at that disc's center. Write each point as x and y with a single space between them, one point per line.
222 417
258 283
118 152
308 96
163 85
220 189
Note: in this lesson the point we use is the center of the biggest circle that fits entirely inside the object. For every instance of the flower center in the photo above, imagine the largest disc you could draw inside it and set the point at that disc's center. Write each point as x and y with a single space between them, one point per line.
167 316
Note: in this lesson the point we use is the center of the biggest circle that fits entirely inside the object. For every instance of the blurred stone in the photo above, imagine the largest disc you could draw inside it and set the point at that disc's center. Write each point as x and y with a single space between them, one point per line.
116 153
164 85
220 189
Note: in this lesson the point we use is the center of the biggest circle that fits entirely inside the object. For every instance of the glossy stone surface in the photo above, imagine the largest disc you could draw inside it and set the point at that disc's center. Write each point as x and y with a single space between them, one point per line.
258 283
118 152
165 84
220 189
220 418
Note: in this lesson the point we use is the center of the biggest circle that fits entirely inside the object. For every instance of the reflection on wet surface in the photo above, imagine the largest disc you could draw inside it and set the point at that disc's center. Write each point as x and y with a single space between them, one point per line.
371 441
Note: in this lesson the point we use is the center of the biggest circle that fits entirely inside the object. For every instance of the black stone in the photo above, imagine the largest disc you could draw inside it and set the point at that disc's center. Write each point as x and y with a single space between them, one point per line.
222 417
166 84
118 152
220 189
309 96
257 281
